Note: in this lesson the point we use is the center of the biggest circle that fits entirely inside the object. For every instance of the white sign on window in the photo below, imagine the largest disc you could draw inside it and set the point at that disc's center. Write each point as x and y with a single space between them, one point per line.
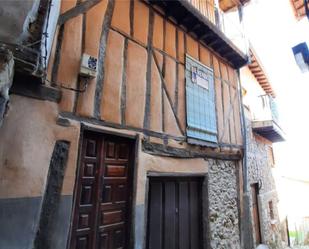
199 77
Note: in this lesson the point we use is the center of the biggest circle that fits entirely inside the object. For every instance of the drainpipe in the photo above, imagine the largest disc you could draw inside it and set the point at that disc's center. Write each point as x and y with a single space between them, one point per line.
6 79
246 223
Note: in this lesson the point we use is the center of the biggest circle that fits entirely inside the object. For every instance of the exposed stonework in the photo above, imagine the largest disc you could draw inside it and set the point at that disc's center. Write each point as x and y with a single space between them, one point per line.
6 79
260 171
223 208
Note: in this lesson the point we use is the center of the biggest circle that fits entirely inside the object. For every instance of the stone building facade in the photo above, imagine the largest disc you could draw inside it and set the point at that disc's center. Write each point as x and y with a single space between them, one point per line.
223 196
262 130
260 172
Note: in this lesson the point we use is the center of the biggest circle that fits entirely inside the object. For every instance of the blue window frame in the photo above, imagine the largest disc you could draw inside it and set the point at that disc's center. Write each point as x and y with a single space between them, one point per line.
200 99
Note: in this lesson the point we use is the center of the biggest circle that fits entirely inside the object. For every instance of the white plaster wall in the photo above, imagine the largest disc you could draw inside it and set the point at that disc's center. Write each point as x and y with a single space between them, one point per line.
27 139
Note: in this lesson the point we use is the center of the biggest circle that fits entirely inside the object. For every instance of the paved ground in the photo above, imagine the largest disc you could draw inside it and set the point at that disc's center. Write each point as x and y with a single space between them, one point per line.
298 247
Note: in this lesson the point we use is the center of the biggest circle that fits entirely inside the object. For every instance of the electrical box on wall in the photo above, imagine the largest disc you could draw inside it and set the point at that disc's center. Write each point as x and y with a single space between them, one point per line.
88 66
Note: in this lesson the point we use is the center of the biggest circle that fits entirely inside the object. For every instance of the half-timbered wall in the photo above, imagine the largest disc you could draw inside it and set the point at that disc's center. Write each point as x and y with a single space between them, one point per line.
141 70
260 163
139 91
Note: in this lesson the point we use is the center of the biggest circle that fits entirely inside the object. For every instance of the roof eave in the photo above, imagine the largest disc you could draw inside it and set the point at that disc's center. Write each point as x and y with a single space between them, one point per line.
203 29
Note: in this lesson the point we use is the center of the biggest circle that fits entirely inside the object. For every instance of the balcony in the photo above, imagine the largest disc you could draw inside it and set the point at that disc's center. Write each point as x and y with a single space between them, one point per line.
204 20
266 120
226 5
225 17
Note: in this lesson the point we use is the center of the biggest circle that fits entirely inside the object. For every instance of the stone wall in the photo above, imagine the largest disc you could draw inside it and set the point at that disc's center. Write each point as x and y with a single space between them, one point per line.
260 171
223 205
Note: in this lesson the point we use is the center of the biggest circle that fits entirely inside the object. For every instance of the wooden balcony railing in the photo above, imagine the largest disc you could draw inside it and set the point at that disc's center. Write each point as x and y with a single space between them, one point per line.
206 7
227 22
266 119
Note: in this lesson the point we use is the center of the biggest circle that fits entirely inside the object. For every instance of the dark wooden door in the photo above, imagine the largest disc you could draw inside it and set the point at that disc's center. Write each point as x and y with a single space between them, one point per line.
103 193
255 213
174 214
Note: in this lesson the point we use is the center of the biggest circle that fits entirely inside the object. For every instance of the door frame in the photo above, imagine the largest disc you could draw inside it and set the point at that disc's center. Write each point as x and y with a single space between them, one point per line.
205 203
134 139
257 192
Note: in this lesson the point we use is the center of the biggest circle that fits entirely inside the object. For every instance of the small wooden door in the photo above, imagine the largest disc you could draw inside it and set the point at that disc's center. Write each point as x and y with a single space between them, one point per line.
174 213
103 193
255 213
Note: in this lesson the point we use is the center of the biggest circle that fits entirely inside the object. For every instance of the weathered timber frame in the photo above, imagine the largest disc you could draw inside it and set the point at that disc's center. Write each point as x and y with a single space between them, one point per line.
223 146
80 8
164 136
52 193
168 151
102 52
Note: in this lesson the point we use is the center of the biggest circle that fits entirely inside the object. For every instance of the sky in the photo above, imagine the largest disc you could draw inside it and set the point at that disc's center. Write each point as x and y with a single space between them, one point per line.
273 30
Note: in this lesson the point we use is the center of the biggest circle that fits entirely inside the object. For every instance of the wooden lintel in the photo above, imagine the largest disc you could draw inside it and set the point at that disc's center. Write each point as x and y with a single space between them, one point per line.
168 151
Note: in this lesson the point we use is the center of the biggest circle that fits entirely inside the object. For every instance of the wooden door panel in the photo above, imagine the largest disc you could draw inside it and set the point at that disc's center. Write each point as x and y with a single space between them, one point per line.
194 215
103 195
155 216
170 212
255 213
174 220
184 230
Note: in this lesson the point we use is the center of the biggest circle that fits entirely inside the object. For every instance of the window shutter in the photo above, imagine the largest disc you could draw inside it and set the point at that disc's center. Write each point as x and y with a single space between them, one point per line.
200 96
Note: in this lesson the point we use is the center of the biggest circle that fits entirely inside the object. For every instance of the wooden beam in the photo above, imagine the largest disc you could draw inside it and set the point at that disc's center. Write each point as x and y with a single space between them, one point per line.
101 57
102 123
167 93
146 123
168 151
81 8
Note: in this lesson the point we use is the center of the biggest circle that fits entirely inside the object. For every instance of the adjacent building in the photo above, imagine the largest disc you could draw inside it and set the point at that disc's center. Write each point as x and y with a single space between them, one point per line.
125 128
262 130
